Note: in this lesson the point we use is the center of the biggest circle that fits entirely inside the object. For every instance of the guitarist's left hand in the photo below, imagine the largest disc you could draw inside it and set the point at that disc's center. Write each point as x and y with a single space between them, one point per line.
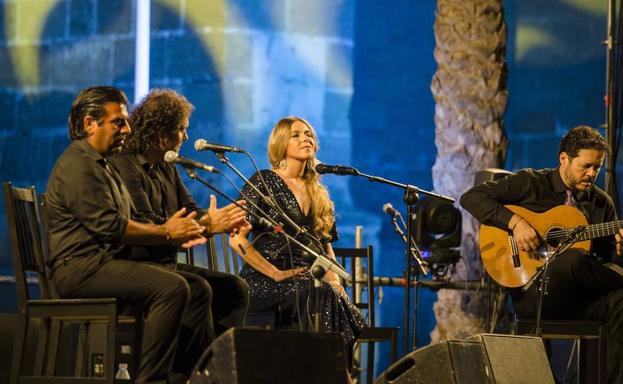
619 242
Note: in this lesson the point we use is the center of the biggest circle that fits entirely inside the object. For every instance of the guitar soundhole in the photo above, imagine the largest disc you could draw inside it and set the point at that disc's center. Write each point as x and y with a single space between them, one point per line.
554 236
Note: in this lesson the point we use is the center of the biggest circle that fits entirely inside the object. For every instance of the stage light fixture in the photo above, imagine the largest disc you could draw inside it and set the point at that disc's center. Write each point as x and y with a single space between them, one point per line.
438 229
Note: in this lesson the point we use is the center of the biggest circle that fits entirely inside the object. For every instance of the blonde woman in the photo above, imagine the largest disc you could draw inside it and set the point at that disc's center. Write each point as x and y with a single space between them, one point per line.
275 269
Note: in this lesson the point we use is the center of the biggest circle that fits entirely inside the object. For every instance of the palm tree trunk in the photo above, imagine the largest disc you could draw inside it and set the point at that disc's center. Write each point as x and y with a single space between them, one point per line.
470 94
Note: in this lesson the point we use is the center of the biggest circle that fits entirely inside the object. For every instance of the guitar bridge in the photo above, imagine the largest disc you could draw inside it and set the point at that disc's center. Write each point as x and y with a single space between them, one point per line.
514 252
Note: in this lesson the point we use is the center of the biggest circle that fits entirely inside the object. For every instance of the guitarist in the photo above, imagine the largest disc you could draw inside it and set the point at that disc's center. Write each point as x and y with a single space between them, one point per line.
580 286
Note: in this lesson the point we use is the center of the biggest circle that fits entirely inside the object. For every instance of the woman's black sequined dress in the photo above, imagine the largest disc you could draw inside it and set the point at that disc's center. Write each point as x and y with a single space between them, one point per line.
337 313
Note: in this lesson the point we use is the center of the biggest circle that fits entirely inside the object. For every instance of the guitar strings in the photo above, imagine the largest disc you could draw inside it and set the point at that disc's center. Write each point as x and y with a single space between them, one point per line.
601 227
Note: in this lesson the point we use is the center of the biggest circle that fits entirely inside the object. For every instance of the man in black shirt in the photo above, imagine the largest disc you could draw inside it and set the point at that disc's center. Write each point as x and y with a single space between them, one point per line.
90 229
580 286
159 124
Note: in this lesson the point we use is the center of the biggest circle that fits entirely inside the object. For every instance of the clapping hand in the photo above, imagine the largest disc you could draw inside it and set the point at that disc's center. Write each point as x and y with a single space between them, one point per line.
184 230
225 219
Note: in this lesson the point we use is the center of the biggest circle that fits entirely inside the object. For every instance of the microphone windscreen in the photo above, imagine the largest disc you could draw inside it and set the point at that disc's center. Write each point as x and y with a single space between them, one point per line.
322 169
388 208
170 156
200 144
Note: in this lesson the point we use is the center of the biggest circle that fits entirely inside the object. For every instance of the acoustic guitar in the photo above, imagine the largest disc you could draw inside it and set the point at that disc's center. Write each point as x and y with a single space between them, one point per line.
511 267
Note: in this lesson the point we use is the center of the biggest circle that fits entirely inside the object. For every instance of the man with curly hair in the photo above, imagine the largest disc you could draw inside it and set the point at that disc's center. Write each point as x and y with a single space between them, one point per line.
91 232
580 285
159 123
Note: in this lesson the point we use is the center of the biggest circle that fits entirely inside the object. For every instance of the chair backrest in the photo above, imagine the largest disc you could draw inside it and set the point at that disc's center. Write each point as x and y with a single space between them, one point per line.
24 222
229 259
45 242
218 254
187 254
348 257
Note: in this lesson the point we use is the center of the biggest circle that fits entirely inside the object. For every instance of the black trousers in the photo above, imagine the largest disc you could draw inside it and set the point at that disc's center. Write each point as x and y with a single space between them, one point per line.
581 288
229 298
173 303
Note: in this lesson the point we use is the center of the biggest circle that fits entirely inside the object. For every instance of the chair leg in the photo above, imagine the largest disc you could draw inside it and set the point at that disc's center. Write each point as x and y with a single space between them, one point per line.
370 371
111 347
138 338
19 343
82 350
54 337
580 361
602 356
355 364
394 342
592 361
43 338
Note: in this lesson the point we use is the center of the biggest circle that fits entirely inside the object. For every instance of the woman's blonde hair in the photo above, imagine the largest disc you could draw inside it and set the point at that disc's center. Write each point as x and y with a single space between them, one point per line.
321 205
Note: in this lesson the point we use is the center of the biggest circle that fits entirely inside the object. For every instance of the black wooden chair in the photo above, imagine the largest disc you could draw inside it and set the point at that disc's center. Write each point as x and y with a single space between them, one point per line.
371 334
28 252
591 363
221 257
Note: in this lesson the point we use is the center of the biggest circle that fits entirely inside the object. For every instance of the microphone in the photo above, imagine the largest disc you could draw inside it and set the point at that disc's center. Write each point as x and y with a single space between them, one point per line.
203 145
173 157
390 210
336 169
573 234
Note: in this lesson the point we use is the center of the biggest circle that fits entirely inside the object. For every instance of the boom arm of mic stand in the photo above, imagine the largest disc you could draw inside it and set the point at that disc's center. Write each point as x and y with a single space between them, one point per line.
410 198
328 264
415 250
405 186
569 239
322 260
193 175
223 159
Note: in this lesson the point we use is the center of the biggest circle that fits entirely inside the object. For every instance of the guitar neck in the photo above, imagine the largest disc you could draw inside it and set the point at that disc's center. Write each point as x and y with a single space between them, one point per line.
599 230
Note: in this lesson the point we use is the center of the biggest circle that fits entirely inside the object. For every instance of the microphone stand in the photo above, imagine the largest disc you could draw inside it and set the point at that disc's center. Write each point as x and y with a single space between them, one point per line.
321 265
410 198
569 239
415 250
322 260
318 270
267 199
273 225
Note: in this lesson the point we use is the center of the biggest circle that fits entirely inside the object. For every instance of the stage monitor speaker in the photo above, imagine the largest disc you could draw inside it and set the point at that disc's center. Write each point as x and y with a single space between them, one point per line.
241 356
483 358
490 174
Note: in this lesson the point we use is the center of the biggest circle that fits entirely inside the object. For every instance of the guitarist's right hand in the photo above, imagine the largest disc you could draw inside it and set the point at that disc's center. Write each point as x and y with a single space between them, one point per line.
526 237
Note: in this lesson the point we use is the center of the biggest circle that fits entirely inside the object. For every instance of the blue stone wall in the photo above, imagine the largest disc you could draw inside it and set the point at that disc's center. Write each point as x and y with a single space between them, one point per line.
393 131
49 50
359 71
557 71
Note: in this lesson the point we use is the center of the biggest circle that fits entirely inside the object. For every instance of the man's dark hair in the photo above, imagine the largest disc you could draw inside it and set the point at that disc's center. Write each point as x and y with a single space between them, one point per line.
582 137
160 113
90 102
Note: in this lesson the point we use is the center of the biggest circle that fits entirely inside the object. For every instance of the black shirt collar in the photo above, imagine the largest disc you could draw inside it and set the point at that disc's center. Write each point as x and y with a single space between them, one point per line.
89 151
143 162
561 187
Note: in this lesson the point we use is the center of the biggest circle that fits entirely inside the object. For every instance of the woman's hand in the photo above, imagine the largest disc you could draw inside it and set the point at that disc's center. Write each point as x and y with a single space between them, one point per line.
339 288
280 275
